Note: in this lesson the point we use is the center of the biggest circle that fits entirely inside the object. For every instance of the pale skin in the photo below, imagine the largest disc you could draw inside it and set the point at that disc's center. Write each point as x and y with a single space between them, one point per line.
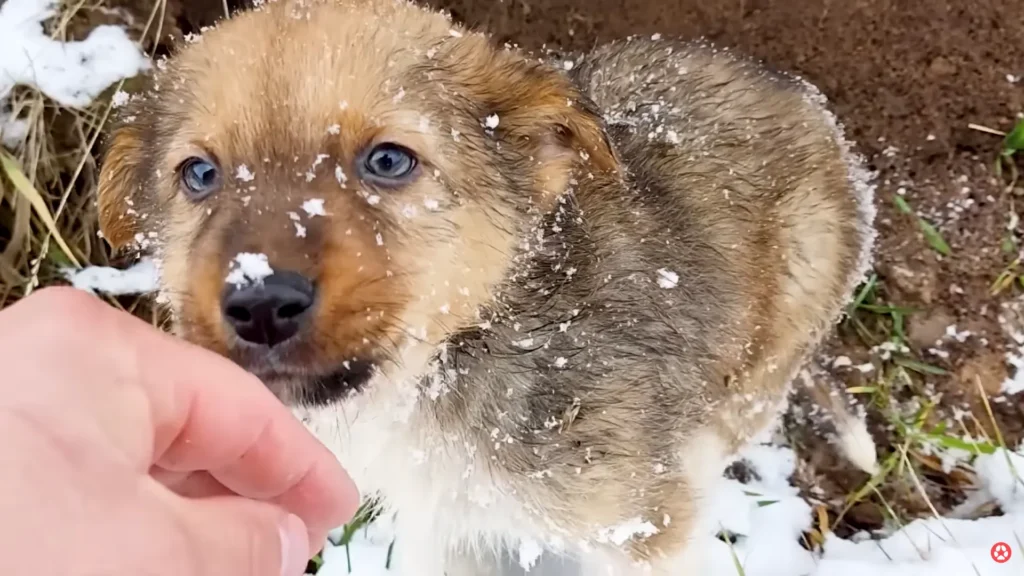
124 450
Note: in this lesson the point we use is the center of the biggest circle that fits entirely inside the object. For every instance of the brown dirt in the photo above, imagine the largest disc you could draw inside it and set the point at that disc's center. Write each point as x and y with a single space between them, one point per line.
906 79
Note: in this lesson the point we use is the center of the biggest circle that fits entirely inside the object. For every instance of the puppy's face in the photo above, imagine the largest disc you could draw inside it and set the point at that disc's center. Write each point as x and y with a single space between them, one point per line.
335 187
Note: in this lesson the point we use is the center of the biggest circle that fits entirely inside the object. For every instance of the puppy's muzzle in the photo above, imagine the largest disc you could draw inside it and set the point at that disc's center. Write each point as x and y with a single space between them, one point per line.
271 312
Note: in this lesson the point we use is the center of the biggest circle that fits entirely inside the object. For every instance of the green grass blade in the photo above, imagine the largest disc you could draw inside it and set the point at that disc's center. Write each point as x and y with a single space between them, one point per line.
935 240
1014 141
888 309
958 444
919 367
25 187
902 204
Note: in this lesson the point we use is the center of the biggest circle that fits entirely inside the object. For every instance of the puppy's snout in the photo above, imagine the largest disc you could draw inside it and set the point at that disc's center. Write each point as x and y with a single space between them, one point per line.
270 312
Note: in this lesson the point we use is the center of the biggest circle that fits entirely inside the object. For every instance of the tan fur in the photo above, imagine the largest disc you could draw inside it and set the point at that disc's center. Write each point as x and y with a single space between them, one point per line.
118 188
571 392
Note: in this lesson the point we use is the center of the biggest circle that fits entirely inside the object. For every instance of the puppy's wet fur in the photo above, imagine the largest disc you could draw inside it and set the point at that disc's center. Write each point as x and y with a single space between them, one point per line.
595 286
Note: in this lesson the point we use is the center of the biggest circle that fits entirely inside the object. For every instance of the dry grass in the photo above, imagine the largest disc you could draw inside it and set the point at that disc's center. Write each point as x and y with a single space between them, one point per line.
48 185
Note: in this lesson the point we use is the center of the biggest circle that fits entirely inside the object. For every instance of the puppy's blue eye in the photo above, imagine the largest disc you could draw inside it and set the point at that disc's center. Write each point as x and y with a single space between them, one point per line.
389 162
199 178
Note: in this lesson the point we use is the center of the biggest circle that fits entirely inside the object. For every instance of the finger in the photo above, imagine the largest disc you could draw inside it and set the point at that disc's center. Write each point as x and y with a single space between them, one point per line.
204 412
260 450
198 484
300 500
294 485
232 535
304 498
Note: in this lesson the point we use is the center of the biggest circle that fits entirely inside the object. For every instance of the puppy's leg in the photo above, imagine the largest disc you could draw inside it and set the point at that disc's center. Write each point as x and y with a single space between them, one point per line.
675 549
418 550
685 559
612 563
472 562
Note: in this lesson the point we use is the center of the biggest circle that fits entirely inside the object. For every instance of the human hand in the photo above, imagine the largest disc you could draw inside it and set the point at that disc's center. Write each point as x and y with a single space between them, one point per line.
124 450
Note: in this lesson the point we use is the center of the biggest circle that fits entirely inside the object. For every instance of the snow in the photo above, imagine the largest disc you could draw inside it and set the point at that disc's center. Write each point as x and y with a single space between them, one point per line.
1002 475
1010 324
946 547
1014 385
620 534
314 207
667 279
12 131
368 557
71 73
371 199
141 278
244 174
529 552
842 361
767 518
119 99
248 267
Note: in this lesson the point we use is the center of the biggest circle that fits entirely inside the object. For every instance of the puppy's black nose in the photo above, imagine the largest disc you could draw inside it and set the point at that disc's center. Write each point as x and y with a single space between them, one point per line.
270 312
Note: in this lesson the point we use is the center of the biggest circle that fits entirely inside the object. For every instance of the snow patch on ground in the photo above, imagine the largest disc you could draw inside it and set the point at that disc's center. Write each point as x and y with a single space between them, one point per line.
767 518
945 547
1014 385
70 73
1011 320
12 130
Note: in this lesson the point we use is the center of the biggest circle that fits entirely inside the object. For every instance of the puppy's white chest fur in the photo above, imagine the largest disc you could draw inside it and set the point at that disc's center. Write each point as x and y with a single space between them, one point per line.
448 500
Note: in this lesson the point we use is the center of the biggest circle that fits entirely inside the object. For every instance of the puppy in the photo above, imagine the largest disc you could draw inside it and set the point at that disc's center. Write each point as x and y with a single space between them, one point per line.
532 306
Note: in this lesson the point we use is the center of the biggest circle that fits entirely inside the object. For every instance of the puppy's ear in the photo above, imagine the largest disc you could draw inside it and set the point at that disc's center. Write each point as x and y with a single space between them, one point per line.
120 193
538 106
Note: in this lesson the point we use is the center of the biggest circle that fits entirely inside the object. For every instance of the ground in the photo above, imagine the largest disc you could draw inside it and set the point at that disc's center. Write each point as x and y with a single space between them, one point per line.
923 88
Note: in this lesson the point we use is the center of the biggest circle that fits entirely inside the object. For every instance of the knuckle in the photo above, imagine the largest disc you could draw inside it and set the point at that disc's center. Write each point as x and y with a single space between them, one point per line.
65 305
71 318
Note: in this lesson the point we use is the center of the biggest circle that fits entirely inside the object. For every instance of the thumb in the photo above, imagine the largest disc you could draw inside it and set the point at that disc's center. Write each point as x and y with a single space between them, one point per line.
234 535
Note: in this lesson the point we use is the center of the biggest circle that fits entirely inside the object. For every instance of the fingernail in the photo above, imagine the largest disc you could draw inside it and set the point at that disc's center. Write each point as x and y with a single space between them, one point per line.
294 546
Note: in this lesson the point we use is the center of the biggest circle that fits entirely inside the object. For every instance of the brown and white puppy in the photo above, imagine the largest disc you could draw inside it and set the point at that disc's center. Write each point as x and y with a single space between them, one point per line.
532 308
